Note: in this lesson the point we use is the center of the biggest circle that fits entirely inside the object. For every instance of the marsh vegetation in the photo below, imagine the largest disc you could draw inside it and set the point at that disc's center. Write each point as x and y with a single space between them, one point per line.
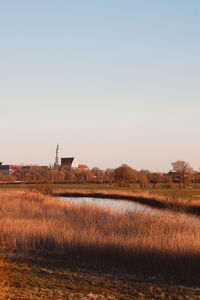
139 243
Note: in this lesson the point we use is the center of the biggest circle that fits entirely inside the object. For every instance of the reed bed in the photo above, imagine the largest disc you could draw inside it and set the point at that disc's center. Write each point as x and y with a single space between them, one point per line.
165 245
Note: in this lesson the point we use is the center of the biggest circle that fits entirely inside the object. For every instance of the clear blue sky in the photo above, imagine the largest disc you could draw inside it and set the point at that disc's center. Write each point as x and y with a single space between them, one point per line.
111 81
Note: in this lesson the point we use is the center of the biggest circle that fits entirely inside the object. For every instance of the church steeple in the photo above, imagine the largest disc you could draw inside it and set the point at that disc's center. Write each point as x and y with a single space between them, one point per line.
58 157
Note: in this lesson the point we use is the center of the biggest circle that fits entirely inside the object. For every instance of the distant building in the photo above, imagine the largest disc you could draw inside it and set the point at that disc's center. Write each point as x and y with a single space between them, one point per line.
58 157
69 162
83 168
9 169
35 167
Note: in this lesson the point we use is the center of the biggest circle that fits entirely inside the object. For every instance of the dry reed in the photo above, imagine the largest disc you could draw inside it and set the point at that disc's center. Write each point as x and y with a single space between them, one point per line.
138 242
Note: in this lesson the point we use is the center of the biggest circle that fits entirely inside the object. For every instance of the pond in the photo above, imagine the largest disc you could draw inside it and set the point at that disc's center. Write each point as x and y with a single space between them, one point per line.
121 206
115 205
129 206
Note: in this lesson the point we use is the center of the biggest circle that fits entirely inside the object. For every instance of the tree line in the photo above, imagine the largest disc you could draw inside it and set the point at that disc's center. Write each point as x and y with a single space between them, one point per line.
122 176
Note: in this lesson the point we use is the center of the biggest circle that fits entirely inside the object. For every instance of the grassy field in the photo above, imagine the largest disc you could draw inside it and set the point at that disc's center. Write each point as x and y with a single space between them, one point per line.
187 192
60 250
28 280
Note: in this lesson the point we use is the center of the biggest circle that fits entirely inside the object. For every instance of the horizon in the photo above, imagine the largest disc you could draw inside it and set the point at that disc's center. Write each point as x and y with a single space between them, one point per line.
51 164
112 82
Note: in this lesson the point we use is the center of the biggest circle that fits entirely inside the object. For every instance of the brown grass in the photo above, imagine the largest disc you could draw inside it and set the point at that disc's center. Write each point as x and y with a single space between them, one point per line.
163 245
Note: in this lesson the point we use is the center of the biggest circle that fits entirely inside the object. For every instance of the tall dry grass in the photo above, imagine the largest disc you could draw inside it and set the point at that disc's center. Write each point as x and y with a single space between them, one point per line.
138 242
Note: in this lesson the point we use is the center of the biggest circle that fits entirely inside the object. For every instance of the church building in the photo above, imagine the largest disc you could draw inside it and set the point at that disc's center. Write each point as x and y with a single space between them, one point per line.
68 162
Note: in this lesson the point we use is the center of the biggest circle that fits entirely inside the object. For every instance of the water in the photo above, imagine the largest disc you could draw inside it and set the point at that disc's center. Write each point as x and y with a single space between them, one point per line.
130 206
116 205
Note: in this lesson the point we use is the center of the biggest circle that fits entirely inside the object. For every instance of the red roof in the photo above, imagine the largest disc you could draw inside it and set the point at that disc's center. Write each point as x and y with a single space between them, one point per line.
10 166
82 167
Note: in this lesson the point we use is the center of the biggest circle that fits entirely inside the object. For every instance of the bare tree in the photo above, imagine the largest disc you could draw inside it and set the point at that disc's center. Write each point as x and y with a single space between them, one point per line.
155 178
142 178
109 176
123 175
181 170
98 173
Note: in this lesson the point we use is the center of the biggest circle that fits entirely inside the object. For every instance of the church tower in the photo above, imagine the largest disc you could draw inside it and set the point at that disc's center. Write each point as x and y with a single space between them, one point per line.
58 158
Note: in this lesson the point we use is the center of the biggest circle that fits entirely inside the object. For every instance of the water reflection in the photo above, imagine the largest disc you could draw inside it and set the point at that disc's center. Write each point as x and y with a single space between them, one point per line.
119 205
130 206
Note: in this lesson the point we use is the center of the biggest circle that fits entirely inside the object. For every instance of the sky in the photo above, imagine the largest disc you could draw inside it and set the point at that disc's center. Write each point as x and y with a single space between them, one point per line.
111 81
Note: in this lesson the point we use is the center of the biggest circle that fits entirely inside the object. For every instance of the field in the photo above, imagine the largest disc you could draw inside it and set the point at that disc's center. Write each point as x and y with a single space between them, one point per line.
54 249
28 280
185 193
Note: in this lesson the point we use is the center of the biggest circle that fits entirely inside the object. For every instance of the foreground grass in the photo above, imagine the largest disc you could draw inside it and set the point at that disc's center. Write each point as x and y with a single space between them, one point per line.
58 250
164 245
28 280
